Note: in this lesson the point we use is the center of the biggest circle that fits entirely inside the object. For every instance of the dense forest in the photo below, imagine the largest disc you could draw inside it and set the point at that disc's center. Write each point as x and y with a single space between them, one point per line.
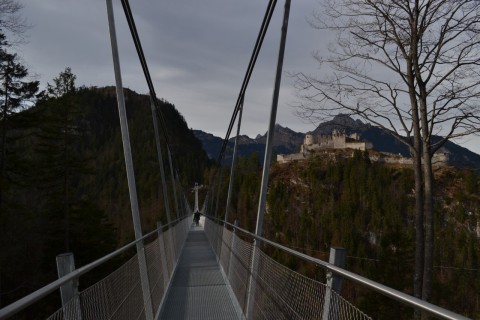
64 186
367 208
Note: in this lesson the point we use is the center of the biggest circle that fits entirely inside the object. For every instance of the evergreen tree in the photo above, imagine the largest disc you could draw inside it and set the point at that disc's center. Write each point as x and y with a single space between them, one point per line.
15 94
366 207
64 84
72 218
62 163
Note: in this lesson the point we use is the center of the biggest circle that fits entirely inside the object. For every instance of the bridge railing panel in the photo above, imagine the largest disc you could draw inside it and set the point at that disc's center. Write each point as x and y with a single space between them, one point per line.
119 295
169 252
280 293
267 289
239 269
226 251
155 273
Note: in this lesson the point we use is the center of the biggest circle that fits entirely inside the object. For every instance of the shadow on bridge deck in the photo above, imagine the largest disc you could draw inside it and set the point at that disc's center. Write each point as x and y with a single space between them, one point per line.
198 289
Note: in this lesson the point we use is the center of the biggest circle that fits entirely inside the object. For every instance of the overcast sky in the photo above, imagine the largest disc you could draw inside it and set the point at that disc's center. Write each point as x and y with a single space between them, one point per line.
197 52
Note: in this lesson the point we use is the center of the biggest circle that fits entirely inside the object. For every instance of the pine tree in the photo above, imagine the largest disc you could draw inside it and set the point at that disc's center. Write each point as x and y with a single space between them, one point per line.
15 95
76 222
59 135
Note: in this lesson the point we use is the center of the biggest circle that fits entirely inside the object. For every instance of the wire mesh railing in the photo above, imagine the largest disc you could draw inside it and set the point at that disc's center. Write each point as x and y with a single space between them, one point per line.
266 289
280 293
119 295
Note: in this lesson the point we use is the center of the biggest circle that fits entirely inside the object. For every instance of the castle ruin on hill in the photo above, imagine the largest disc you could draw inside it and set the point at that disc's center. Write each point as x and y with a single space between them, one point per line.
314 145
338 140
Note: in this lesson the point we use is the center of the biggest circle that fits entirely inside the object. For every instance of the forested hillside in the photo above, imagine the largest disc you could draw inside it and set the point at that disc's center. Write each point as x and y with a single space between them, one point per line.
367 208
66 188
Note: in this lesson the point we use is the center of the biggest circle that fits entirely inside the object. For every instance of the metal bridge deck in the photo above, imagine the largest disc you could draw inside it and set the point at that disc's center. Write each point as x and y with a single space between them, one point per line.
198 289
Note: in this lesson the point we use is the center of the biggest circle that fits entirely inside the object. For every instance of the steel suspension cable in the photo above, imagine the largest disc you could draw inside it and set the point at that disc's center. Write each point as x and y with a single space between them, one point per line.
160 161
138 46
258 45
234 160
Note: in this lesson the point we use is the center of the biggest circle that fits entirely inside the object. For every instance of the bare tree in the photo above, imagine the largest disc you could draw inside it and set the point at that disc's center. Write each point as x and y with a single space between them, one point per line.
11 21
411 67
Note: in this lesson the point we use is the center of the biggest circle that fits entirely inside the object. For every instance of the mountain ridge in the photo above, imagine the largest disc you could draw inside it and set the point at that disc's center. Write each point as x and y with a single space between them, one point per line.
288 141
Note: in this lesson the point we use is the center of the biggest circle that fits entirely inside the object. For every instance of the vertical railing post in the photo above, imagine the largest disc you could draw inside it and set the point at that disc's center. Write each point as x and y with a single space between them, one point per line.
334 282
127 152
183 207
174 185
232 245
267 159
160 160
234 160
163 255
161 165
232 169
69 291
219 191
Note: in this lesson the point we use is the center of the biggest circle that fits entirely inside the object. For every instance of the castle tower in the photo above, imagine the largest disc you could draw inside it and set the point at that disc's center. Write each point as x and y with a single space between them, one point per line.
339 139
309 140
355 136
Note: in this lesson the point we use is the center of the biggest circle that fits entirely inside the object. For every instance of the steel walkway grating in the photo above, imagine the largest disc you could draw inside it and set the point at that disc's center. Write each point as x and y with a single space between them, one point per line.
198 289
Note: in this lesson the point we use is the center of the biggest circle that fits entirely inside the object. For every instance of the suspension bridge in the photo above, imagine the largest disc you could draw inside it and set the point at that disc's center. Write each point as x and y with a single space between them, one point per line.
213 270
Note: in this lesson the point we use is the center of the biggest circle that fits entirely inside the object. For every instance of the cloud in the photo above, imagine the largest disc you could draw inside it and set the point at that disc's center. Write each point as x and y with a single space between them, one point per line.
197 52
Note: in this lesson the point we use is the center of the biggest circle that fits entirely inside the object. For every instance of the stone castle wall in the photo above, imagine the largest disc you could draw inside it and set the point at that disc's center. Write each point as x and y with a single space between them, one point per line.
313 144
337 140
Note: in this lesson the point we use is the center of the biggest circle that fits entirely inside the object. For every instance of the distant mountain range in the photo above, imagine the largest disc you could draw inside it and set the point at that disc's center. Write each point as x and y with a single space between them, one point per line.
287 141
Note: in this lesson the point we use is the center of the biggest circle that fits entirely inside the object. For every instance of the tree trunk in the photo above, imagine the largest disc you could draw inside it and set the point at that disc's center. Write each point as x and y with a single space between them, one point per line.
429 238
419 227
65 180
3 155
419 205
427 194
428 204
2 166
3 150
419 192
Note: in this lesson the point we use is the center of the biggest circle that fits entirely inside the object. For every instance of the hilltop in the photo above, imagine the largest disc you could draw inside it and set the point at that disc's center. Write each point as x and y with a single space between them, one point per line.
67 187
287 141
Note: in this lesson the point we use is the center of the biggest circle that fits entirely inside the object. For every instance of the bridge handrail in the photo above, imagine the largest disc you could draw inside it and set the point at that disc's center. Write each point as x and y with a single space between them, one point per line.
24 302
384 290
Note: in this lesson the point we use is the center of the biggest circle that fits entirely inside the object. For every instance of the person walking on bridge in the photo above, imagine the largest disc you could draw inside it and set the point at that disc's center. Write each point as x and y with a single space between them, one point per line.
196 218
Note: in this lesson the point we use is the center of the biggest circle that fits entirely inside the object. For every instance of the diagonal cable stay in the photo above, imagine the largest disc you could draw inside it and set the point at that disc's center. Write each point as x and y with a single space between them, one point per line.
258 45
138 46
